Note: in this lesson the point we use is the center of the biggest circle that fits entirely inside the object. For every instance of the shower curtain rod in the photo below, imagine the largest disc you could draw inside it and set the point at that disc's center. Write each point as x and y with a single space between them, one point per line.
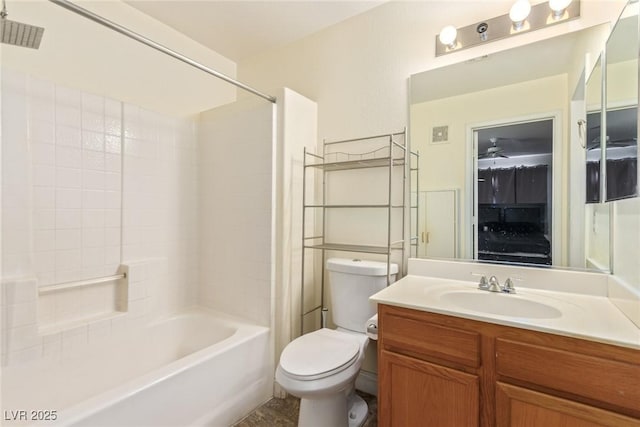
131 34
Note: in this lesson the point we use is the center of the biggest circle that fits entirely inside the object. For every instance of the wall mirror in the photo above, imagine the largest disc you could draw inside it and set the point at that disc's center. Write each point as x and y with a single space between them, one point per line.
495 149
621 106
597 215
593 134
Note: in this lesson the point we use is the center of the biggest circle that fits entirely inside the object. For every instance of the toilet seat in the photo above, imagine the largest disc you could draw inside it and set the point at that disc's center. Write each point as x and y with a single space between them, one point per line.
319 354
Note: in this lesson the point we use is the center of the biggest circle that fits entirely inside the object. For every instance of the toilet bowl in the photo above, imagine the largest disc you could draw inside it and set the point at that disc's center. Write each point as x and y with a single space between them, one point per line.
321 367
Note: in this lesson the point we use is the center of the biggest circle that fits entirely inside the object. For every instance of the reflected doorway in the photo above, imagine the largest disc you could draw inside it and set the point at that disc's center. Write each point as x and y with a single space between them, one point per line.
513 192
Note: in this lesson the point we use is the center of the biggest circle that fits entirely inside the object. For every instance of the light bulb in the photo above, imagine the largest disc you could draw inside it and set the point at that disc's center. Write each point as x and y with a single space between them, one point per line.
519 12
558 7
448 36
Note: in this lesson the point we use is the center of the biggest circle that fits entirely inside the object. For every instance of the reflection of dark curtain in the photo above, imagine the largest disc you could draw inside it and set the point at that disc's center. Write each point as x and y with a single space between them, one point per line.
622 178
531 184
485 188
504 185
593 182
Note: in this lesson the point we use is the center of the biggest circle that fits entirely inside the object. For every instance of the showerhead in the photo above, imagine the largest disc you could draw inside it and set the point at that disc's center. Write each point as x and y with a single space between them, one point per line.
17 33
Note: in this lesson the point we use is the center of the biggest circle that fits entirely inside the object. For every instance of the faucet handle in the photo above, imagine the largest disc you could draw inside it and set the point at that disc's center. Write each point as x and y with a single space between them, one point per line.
482 284
508 286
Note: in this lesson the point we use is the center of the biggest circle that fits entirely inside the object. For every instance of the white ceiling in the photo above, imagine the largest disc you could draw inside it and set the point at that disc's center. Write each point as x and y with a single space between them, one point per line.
239 29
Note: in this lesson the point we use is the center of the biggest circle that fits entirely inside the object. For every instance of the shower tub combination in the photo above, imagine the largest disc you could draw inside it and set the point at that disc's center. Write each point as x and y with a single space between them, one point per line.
196 368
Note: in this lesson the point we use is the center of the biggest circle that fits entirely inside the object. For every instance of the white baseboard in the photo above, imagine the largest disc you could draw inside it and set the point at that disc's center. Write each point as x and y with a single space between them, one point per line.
367 382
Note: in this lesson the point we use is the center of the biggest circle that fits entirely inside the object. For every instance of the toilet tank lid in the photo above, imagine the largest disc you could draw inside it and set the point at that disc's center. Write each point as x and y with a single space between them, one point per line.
360 266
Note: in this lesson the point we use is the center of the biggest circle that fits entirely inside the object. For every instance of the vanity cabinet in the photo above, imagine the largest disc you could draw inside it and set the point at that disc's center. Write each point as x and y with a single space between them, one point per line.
438 370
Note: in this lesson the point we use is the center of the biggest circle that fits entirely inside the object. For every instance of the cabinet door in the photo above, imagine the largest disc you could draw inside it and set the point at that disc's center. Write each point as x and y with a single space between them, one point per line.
520 407
413 392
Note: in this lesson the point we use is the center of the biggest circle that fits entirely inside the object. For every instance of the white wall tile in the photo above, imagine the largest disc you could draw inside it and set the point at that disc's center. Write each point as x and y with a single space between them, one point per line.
15 315
44 197
112 256
68 116
68 136
42 109
112 181
74 339
93 199
93 160
68 239
92 103
22 337
93 218
63 276
25 355
68 259
68 97
68 157
76 142
93 180
92 121
113 144
93 257
68 198
44 262
42 132
68 177
113 200
68 218
44 240
99 331
44 175
43 154
44 219
93 237
52 346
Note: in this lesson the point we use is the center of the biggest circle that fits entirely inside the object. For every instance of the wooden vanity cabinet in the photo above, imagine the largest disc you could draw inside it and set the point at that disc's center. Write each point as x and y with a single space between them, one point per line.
437 370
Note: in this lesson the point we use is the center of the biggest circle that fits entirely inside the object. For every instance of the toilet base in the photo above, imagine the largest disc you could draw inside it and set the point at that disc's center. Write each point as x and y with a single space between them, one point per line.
358 411
335 410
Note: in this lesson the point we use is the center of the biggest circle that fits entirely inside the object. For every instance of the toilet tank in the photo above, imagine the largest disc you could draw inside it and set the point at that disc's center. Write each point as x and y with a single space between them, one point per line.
352 282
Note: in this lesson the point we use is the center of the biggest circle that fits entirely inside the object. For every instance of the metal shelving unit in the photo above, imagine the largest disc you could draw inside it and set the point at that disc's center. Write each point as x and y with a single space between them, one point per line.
414 208
393 154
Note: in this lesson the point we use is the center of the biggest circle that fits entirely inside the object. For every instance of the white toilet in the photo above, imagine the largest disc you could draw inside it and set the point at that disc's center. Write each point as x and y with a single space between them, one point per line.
321 367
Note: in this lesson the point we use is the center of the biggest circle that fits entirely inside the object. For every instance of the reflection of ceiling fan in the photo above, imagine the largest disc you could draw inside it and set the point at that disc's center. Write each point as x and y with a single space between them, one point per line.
493 151
621 142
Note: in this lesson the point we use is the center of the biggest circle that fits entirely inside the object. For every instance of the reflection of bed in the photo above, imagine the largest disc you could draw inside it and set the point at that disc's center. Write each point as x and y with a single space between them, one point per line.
513 234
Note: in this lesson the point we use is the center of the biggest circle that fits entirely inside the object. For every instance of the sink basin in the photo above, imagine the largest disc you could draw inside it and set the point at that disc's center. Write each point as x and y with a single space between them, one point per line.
500 304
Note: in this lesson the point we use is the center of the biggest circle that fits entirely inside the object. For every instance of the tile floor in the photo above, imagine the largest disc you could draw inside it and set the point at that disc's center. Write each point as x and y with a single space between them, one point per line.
284 413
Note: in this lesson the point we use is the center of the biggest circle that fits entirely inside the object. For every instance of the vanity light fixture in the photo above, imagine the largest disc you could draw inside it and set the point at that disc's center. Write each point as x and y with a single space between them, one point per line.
558 8
522 18
519 13
448 36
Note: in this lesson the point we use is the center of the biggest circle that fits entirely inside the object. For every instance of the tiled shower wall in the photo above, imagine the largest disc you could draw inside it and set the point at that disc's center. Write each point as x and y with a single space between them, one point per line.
87 184
69 191
237 209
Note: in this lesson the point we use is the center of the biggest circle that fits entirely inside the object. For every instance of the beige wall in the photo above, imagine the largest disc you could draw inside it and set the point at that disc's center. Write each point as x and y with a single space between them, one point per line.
82 54
357 70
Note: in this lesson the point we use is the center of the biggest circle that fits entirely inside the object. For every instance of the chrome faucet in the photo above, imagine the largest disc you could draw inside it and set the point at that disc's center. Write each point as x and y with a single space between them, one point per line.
508 286
493 285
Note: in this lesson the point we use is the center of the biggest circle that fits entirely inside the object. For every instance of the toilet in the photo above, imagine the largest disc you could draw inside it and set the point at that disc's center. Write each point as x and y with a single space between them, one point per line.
321 367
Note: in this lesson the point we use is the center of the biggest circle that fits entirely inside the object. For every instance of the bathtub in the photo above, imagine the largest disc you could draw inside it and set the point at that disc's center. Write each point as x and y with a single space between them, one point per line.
195 368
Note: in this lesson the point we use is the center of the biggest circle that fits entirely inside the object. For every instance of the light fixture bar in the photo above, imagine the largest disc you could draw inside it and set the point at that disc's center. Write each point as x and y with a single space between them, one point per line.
500 27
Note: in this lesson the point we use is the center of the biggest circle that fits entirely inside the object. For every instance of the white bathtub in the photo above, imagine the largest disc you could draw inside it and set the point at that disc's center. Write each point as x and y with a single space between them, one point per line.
195 368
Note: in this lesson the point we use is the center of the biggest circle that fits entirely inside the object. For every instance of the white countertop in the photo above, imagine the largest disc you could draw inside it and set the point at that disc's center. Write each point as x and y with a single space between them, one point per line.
589 317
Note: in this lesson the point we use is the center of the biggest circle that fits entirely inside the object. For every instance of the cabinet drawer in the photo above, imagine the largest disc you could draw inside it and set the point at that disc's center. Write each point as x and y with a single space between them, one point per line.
419 338
592 377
